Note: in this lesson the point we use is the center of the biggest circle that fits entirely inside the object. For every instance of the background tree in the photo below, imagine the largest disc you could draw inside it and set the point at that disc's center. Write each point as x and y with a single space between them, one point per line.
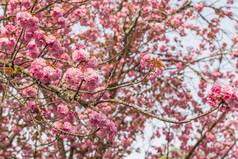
91 78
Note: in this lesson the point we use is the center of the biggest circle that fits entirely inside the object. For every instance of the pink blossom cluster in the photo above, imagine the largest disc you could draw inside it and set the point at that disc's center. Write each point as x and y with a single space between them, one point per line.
74 76
58 16
80 55
65 126
199 7
145 61
225 94
92 78
29 91
26 20
7 43
33 50
13 4
45 73
106 127
31 105
63 109
54 46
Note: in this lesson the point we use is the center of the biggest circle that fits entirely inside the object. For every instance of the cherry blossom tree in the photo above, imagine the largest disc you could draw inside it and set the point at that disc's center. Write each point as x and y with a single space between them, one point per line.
88 79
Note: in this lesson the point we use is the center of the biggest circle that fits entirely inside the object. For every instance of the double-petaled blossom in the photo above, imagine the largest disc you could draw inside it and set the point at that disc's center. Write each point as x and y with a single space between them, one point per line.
106 127
80 55
146 61
62 109
26 20
57 12
199 7
33 50
225 94
58 16
29 91
73 77
31 105
59 126
45 73
7 43
54 46
92 78
13 4
67 126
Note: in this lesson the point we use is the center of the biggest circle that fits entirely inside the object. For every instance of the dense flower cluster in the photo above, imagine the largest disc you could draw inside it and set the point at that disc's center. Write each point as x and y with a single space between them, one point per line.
33 50
26 20
65 126
106 127
74 76
45 73
29 91
63 109
146 61
92 78
7 43
129 62
80 56
225 94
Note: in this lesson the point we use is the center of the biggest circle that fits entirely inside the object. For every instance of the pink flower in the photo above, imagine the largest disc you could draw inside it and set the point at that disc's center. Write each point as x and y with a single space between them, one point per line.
146 60
230 1
33 50
54 46
67 126
224 94
176 20
63 109
29 91
26 20
32 106
73 77
179 65
106 127
39 37
80 56
57 125
199 7
57 12
92 63
92 78
210 136
40 70
7 43
216 74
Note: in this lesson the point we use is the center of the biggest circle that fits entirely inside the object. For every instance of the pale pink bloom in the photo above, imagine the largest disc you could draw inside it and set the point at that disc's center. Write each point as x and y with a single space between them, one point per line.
106 127
7 43
33 50
67 126
57 12
29 91
45 73
210 136
32 106
73 77
26 20
92 78
80 56
63 109
199 7
226 95
57 125
146 61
